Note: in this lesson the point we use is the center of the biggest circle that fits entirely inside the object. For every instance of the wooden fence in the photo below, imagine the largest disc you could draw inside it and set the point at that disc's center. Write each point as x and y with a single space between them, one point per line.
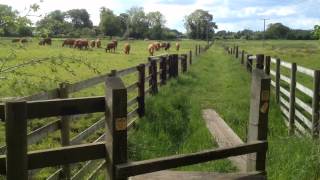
113 151
298 103
56 102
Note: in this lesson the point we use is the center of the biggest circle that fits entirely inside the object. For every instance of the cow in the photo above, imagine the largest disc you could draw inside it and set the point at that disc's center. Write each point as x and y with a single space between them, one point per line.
15 40
163 45
81 43
177 46
167 47
156 46
126 48
68 42
111 46
92 43
45 41
98 43
115 42
23 40
151 49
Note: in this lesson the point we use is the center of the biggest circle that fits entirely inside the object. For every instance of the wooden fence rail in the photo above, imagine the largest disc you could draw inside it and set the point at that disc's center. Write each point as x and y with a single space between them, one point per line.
301 117
56 102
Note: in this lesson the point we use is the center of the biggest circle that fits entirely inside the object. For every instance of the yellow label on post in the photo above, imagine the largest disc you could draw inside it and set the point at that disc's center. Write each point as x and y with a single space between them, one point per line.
264 107
265 95
121 124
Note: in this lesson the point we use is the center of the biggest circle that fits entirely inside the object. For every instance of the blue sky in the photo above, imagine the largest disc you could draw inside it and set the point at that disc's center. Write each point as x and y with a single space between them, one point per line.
231 15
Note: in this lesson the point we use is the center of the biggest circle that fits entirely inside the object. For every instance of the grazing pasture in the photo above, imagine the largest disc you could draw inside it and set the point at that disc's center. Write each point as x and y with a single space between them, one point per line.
39 77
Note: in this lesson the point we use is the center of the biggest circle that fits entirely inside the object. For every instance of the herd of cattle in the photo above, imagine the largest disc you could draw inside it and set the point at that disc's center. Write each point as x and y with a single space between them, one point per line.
112 46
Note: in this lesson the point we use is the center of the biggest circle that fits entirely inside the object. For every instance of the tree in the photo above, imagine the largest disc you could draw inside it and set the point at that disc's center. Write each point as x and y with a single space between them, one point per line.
277 31
138 22
156 22
124 20
316 31
109 23
80 18
200 25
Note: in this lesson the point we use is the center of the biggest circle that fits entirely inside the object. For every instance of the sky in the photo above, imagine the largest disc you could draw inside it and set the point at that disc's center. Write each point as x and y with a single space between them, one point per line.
230 15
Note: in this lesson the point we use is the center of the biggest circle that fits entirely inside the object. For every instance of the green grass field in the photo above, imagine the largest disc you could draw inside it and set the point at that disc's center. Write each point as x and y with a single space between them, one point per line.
218 81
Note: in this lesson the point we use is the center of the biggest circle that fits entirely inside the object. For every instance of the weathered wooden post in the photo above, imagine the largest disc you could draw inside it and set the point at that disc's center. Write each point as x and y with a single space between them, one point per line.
116 125
141 94
173 65
292 98
190 57
237 52
163 70
315 105
196 51
249 63
242 57
267 67
153 82
258 121
278 62
16 140
260 61
184 63
65 129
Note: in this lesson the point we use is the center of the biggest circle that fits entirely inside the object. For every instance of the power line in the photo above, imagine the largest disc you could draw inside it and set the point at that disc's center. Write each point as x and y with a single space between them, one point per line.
264 29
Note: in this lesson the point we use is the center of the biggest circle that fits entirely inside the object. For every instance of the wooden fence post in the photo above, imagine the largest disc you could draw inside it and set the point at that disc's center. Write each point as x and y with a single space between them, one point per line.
196 51
292 98
237 52
65 129
153 82
242 57
258 121
141 94
163 70
190 57
116 125
184 63
267 67
249 63
173 65
260 61
278 62
16 140
315 104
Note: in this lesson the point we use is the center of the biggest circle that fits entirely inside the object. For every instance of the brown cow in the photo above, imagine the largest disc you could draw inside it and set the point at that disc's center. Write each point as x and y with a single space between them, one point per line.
177 46
111 46
126 48
115 42
15 40
98 43
69 42
92 43
151 49
23 40
45 41
163 45
167 47
156 46
81 43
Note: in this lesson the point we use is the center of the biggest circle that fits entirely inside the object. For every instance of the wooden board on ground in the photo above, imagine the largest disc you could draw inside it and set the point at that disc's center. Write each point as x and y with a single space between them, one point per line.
185 175
224 136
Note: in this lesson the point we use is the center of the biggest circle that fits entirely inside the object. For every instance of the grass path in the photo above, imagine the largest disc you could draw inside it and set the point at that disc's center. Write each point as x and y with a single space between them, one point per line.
174 124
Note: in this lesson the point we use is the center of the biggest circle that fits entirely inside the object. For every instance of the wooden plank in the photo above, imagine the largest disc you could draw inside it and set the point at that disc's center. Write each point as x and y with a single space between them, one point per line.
88 132
50 94
304 119
284 91
94 173
285 64
133 114
273 60
132 101
78 86
296 123
304 90
304 106
187 175
60 107
306 71
153 165
285 79
126 71
224 135
66 155
132 87
273 73
315 105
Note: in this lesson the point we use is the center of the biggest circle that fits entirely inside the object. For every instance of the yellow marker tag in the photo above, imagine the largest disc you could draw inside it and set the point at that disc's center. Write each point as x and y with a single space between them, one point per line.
264 107
121 124
265 95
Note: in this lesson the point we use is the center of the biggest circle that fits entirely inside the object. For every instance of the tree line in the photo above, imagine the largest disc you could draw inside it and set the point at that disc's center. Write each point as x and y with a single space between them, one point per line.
134 23
273 31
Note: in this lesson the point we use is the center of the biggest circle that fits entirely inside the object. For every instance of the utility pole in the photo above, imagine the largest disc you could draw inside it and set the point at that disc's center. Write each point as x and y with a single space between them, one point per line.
264 30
